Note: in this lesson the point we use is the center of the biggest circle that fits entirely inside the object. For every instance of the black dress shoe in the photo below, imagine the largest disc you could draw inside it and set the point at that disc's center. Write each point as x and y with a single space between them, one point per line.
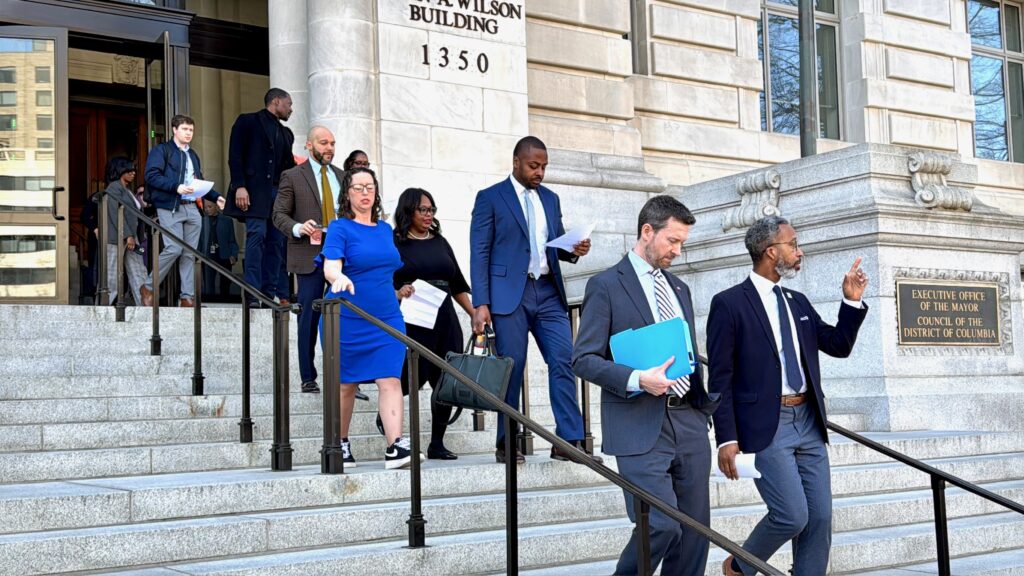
442 453
310 387
360 395
499 455
557 454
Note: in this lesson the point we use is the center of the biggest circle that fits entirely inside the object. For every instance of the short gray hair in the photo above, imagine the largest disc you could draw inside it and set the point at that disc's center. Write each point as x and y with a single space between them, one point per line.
762 234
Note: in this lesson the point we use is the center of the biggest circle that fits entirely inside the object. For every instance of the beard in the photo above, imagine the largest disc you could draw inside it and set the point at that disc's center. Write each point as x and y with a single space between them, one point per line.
652 258
786 271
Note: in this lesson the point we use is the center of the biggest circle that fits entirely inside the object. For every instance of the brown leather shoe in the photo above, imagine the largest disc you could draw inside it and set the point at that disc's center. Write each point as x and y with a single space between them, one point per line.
499 455
186 303
727 568
557 454
147 296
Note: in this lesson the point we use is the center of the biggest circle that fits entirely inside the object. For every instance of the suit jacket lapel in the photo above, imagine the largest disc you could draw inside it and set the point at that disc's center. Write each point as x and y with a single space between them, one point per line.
759 312
267 128
307 172
631 286
547 200
508 194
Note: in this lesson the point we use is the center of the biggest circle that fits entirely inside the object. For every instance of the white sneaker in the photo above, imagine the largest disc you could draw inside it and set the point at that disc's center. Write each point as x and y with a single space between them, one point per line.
398 454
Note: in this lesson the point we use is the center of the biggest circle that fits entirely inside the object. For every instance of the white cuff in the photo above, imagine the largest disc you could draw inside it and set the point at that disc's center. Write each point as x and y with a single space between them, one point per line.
854 303
633 384
727 443
297 230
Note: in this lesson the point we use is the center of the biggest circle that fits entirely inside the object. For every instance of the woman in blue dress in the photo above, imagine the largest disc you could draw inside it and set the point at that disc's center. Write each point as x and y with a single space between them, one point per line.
359 260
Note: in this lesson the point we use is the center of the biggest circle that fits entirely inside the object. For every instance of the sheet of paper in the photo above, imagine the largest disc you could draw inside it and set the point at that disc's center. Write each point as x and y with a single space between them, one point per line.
744 465
421 308
201 188
572 237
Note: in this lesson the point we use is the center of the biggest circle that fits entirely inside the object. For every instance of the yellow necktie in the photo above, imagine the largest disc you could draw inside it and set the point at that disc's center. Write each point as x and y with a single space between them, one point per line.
326 199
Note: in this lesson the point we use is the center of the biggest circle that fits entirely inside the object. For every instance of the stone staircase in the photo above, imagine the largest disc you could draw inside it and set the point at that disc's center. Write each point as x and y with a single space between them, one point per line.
107 464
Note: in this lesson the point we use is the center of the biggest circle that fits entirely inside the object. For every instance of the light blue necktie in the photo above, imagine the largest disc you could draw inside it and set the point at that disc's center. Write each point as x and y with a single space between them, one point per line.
531 228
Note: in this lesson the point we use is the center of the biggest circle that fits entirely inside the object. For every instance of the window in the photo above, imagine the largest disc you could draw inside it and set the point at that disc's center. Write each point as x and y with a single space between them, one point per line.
8 75
44 142
44 98
44 122
780 100
997 79
42 74
8 98
8 122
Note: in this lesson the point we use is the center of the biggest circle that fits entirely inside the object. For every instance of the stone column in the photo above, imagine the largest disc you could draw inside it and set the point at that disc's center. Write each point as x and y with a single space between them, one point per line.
342 68
947 355
286 24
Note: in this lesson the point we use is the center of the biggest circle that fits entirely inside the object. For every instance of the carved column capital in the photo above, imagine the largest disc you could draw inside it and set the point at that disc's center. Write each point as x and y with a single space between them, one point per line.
759 197
928 179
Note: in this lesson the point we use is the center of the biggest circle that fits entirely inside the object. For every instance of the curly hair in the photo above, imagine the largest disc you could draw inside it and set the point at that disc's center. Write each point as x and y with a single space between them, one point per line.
345 205
349 162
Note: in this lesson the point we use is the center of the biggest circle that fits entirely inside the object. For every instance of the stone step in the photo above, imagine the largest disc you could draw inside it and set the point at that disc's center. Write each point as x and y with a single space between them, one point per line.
1004 563
542 546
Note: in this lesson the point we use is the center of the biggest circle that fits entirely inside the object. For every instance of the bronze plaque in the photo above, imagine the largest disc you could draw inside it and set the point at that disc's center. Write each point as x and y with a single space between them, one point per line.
945 313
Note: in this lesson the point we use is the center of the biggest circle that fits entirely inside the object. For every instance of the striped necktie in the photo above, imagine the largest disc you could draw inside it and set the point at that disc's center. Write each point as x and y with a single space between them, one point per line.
666 311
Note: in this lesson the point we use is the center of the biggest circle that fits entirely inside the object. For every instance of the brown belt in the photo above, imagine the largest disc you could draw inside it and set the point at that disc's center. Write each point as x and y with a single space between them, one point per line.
794 399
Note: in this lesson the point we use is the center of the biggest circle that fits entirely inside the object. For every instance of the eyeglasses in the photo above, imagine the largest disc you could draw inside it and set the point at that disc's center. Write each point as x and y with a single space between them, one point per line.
426 210
363 188
361 164
792 244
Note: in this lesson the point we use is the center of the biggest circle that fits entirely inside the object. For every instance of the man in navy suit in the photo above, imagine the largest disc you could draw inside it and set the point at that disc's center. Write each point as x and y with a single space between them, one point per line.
259 151
659 438
763 343
517 284
217 240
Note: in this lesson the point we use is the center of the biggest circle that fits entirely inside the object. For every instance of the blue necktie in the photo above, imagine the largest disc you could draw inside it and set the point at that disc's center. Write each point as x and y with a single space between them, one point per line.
793 379
531 227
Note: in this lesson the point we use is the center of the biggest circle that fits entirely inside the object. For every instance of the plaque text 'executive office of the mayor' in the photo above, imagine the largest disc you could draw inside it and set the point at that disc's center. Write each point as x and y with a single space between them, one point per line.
947 314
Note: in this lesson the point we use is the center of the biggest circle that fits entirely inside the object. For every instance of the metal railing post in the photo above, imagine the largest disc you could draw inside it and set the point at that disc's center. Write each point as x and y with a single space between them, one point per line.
102 289
197 328
245 424
332 459
941 528
417 524
281 448
511 503
525 435
121 254
154 251
643 529
479 420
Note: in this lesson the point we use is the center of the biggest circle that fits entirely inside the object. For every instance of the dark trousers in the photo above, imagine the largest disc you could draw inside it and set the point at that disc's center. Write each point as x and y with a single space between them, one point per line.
215 285
311 287
265 258
542 313
675 470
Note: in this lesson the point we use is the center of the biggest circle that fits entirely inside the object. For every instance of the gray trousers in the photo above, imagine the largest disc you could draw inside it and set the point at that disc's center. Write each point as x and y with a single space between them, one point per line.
676 470
134 267
187 223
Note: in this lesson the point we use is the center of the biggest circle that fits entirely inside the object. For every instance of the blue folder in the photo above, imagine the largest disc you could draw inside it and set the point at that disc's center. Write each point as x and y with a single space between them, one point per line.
652 345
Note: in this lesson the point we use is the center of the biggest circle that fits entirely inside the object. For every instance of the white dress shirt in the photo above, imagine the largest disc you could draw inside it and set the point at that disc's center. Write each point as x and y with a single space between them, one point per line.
643 274
540 221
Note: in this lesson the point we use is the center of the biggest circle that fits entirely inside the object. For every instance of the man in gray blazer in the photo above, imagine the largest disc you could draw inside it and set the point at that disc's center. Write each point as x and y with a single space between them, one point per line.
656 428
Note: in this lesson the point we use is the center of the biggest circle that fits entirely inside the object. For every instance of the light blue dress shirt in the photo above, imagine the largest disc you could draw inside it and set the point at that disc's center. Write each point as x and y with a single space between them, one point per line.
643 274
332 179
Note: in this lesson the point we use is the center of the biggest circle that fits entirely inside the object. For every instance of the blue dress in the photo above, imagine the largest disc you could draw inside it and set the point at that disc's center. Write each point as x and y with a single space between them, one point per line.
370 260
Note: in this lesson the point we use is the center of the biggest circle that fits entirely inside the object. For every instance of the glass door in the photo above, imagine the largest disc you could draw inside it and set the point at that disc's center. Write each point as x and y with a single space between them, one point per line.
34 255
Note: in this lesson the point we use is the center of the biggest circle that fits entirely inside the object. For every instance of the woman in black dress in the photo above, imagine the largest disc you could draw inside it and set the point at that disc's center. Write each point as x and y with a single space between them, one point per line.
427 256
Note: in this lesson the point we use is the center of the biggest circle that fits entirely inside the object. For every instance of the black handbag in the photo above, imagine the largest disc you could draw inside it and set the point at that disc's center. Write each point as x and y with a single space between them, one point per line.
491 372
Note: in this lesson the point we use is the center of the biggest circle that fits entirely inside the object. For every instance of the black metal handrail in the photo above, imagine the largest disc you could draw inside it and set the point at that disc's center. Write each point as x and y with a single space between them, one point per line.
281 448
332 463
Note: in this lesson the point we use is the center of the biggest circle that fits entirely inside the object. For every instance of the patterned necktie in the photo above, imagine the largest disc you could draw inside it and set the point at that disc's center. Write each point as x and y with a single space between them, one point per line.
793 379
326 198
666 311
531 228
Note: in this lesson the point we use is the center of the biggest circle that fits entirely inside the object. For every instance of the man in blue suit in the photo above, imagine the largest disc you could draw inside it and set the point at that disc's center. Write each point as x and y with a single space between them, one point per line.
659 438
517 284
259 151
763 343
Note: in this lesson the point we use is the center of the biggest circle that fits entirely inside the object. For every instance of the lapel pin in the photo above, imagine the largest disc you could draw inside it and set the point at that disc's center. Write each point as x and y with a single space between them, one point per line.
789 295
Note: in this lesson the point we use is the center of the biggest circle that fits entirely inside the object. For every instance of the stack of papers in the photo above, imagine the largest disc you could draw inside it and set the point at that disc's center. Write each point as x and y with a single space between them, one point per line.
744 465
421 308
200 188
571 238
